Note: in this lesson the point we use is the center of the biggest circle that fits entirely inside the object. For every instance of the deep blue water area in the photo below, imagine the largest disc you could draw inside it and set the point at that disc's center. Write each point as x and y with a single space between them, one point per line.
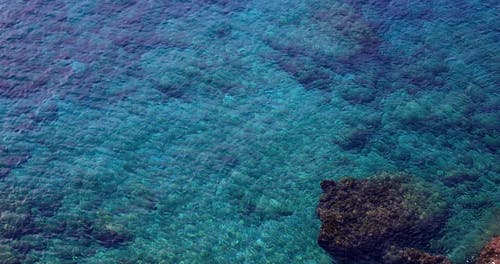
199 131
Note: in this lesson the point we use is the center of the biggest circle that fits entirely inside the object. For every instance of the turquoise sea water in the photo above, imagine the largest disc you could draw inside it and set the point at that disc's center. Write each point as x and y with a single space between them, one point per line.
199 131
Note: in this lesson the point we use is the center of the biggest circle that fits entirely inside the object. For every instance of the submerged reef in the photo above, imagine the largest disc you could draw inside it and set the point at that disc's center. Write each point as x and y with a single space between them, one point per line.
10 160
491 252
387 218
413 256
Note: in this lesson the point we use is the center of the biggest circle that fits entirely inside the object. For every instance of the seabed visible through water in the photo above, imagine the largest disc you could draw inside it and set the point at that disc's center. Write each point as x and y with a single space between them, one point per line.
199 131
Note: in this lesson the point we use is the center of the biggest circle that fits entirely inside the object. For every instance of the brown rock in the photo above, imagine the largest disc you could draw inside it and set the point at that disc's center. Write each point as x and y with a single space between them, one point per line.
490 254
413 256
362 219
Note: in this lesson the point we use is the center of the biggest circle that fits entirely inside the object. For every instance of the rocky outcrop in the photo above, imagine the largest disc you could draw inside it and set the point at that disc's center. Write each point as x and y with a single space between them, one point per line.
363 219
490 253
413 256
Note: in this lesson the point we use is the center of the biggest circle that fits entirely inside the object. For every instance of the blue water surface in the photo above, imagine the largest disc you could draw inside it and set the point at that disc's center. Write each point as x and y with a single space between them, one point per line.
199 131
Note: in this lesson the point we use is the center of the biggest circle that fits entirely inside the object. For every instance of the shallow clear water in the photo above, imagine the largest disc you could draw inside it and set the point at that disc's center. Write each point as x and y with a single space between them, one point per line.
198 132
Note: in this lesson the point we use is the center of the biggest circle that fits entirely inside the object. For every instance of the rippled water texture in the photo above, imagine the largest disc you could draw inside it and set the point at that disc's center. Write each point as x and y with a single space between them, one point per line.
199 131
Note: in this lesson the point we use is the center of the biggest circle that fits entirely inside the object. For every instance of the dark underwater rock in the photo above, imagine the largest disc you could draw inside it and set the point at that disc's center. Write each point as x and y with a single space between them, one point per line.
357 94
491 252
9 160
47 204
455 178
492 142
14 225
413 256
353 138
220 30
362 219
4 172
46 113
8 255
172 90
12 161
111 235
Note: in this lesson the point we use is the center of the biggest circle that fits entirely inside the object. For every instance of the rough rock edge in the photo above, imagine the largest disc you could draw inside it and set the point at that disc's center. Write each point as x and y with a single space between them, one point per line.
490 252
